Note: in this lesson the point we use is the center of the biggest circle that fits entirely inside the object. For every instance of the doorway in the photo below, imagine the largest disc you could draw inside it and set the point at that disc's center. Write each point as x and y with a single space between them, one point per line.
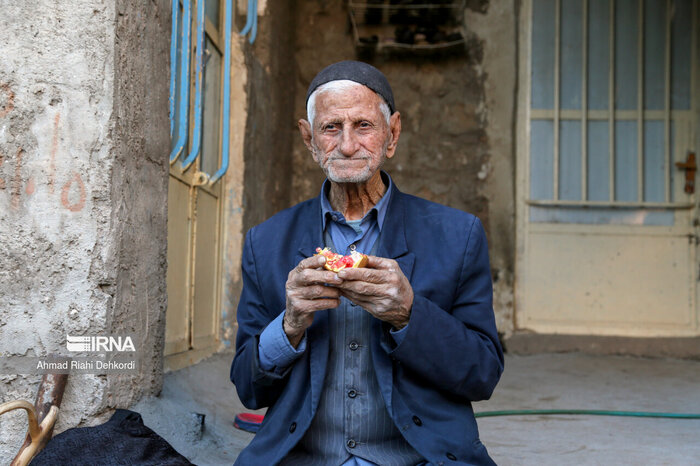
607 226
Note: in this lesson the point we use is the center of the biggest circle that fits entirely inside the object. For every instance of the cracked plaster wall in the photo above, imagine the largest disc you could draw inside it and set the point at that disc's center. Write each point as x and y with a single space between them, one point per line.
83 179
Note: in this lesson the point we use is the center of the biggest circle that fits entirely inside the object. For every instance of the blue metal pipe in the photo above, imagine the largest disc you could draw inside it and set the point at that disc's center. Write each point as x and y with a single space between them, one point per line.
254 33
199 71
184 81
227 95
173 69
248 20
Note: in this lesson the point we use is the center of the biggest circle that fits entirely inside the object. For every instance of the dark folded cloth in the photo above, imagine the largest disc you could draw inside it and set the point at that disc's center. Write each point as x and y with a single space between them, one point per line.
123 440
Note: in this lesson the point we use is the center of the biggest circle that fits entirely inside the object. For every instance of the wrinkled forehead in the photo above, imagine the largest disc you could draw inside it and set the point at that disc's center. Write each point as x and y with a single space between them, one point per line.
347 99
345 93
357 98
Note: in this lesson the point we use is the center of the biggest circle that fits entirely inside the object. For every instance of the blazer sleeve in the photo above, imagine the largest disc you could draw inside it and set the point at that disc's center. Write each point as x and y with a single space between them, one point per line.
256 387
456 350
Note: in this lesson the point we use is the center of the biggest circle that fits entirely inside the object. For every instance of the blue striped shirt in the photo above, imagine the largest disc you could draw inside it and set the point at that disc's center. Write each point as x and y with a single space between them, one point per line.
275 351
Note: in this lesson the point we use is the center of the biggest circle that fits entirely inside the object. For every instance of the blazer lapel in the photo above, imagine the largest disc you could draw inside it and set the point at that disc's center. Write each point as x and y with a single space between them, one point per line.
311 235
392 241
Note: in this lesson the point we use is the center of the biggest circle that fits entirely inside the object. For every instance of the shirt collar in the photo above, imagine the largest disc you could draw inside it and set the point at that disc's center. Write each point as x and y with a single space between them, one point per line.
380 208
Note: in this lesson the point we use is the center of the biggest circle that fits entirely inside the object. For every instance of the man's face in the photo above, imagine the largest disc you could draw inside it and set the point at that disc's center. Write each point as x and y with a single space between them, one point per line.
350 138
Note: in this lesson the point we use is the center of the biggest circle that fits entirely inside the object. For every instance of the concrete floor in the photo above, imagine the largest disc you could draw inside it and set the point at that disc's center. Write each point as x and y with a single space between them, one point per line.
548 381
577 381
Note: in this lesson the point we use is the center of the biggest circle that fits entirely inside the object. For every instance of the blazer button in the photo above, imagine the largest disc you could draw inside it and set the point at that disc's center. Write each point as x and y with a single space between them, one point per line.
351 443
353 345
417 421
292 427
450 456
352 393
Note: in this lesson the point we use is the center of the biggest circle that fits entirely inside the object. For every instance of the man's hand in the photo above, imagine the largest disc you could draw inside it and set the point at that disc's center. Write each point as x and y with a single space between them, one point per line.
306 294
381 288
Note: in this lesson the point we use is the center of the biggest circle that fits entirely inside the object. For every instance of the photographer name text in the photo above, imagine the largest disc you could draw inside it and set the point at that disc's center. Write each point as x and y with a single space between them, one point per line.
86 365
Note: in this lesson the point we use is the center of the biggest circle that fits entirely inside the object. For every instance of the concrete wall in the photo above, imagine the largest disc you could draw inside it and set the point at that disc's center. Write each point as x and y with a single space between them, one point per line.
270 63
233 230
138 194
258 182
495 25
83 172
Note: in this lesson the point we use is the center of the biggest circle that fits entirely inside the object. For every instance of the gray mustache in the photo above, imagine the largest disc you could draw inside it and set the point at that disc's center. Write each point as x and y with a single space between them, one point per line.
342 157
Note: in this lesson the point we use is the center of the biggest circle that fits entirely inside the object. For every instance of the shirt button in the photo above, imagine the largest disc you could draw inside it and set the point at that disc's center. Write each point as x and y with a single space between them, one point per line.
450 456
335 217
417 421
351 443
353 345
292 427
352 393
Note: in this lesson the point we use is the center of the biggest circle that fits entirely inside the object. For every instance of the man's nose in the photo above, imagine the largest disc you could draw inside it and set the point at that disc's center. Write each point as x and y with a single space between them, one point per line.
348 142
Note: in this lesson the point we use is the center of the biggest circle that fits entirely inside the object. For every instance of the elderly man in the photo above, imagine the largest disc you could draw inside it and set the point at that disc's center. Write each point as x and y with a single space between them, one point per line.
375 365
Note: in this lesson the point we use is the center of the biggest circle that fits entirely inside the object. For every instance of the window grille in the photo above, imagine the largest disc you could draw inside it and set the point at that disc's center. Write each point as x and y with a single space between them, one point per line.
611 102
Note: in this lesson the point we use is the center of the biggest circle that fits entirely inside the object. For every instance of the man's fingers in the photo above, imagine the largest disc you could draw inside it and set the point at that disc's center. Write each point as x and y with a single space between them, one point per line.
315 305
358 299
364 275
375 262
375 270
319 277
306 277
298 305
318 291
363 288
372 304
312 262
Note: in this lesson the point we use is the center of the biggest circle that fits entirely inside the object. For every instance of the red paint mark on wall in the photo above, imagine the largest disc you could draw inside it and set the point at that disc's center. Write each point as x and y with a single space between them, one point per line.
8 103
30 188
65 191
54 149
17 181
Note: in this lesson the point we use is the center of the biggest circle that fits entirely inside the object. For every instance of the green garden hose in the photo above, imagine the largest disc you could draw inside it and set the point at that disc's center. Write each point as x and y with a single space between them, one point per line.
586 412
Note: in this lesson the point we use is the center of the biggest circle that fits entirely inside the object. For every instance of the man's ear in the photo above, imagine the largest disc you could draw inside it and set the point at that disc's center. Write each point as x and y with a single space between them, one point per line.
395 130
306 134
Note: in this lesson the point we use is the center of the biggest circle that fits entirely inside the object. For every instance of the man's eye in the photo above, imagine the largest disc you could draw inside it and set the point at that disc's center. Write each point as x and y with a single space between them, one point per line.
365 124
330 127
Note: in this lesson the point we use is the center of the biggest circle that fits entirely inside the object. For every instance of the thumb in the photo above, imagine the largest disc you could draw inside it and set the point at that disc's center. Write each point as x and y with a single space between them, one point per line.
382 263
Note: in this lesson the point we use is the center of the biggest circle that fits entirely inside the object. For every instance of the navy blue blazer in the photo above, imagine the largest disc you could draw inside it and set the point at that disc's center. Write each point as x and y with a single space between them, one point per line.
450 355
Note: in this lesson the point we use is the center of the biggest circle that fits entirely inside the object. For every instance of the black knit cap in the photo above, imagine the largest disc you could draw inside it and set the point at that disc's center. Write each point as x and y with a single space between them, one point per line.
359 72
